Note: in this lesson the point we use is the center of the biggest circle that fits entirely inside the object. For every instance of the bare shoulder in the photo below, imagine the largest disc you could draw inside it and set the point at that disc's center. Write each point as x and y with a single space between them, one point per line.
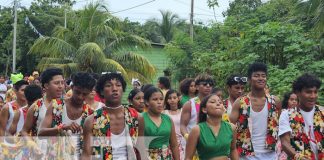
195 130
186 106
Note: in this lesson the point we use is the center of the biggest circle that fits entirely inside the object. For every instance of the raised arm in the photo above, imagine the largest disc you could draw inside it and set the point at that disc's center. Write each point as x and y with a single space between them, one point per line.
87 138
234 154
185 118
29 122
3 120
45 127
192 143
174 143
235 111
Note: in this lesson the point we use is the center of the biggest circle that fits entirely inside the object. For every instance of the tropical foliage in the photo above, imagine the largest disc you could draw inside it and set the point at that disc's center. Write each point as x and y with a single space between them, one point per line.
93 43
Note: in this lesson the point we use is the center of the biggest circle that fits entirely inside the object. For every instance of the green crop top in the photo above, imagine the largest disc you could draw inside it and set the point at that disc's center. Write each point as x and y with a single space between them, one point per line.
211 146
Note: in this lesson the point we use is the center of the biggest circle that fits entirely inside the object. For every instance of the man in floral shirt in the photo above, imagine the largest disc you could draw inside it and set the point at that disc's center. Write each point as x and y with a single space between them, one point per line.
111 132
256 116
66 117
301 129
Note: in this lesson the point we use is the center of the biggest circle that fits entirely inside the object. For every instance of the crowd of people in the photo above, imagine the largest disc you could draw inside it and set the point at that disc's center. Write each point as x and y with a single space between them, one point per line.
46 116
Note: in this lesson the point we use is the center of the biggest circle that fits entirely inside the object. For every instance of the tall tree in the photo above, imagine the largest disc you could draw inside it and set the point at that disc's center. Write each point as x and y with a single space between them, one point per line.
93 43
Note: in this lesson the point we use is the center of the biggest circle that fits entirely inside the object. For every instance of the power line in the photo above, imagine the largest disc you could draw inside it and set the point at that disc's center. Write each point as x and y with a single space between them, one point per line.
133 7
201 9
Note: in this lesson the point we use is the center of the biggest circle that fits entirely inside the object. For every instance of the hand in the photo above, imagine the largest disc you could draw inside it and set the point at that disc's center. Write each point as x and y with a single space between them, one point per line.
74 127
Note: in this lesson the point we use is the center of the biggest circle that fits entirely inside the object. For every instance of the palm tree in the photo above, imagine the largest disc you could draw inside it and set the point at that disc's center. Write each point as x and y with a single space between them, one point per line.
166 26
93 43
315 11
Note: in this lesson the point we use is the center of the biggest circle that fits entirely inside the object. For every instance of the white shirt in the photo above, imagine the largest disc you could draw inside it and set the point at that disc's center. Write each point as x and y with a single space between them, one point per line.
119 145
259 121
229 107
284 125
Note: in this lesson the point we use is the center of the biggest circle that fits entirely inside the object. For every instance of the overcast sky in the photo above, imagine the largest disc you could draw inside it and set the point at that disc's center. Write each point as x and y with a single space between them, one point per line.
151 9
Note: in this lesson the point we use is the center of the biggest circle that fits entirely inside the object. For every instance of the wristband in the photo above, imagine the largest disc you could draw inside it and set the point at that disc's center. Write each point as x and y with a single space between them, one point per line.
60 127
186 136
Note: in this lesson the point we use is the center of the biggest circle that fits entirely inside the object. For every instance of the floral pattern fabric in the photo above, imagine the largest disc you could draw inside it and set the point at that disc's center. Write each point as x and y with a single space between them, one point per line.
300 140
36 106
101 130
244 144
63 147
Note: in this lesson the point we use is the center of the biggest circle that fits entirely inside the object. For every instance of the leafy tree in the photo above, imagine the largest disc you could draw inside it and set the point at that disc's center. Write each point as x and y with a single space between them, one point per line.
93 43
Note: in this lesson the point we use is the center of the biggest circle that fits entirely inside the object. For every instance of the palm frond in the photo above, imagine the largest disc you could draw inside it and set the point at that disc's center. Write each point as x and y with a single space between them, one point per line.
134 74
136 63
111 65
129 40
90 57
52 47
103 35
66 34
67 66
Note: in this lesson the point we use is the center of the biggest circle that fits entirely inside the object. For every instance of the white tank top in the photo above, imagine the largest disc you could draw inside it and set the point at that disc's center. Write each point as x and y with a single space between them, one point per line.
11 116
229 107
21 120
75 136
41 114
259 121
66 120
193 115
119 145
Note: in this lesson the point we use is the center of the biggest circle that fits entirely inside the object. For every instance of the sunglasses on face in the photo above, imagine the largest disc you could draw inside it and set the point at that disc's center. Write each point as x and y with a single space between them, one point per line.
205 83
240 79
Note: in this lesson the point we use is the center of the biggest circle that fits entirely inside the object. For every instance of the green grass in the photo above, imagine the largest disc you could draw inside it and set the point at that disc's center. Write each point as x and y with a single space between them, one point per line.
158 58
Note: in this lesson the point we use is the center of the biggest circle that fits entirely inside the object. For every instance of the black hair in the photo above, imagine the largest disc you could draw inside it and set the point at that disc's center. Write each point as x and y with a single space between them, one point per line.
19 84
230 80
148 93
171 91
68 81
204 78
2 99
165 81
48 74
96 76
108 77
32 93
203 116
306 80
286 99
83 80
146 87
256 67
133 93
185 85
215 90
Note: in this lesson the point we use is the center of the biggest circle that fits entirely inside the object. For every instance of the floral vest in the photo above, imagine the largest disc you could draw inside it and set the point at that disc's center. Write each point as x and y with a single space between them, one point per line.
101 128
244 144
58 112
300 140
37 105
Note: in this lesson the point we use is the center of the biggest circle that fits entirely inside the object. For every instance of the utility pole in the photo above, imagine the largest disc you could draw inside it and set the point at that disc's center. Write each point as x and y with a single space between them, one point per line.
191 20
65 15
14 39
